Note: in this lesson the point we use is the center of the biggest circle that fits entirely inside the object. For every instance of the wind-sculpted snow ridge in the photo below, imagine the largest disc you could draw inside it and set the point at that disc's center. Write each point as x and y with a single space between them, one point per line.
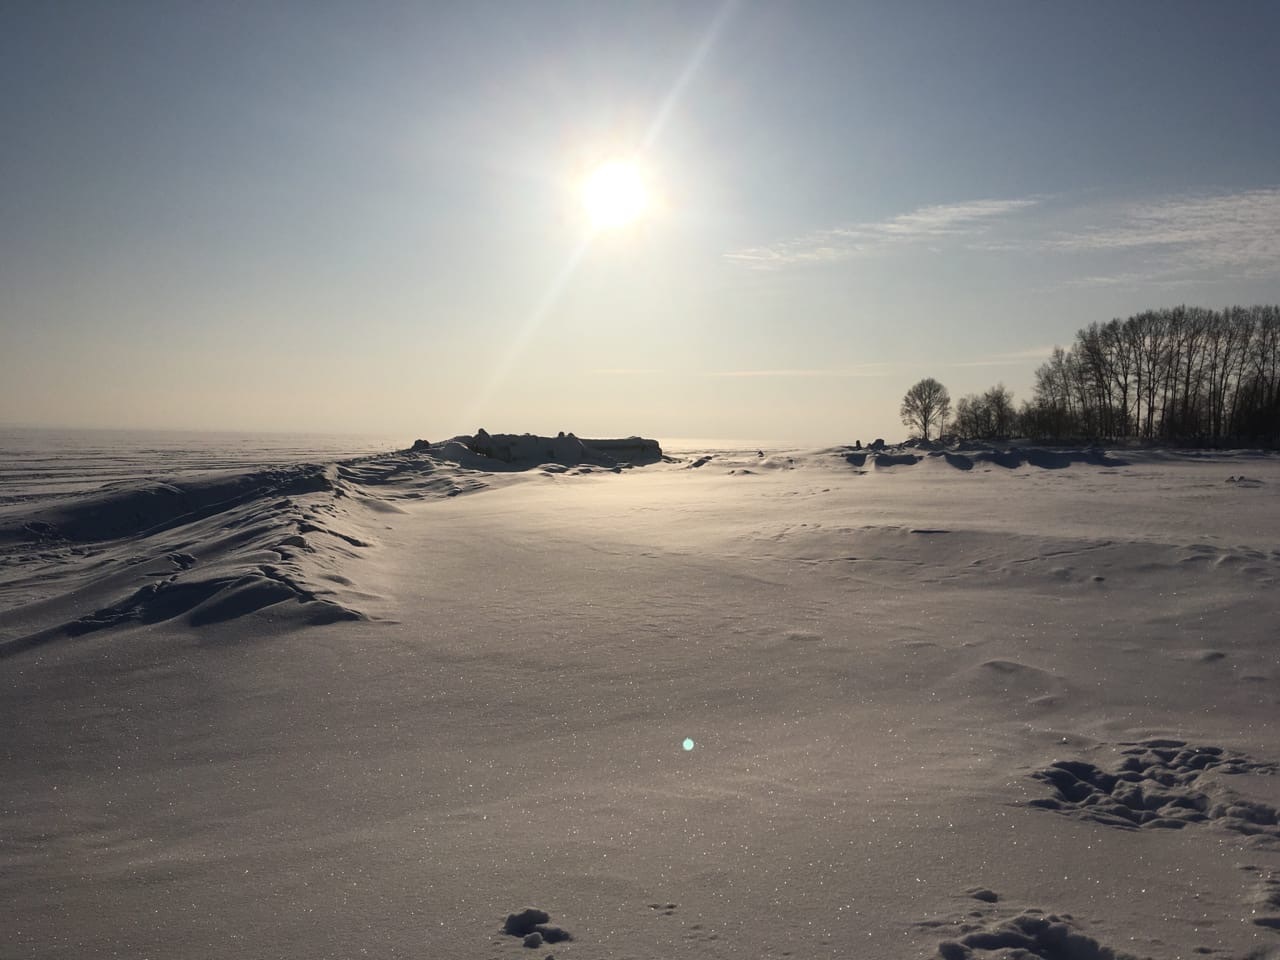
209 548
206 549
1031 935
966 457
969 456
1169 785
1162 784
985 930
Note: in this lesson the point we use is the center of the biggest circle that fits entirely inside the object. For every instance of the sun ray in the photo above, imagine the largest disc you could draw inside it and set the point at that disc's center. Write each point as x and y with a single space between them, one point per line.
640 201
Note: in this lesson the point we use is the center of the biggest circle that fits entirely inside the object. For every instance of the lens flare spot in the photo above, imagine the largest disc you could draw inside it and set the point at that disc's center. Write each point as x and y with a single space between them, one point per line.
688 743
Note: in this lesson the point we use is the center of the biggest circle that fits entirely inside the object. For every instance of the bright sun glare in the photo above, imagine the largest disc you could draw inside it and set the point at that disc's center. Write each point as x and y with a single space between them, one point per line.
615 194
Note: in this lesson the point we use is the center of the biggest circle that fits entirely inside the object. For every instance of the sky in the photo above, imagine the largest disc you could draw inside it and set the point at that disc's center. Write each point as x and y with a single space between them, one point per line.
367 217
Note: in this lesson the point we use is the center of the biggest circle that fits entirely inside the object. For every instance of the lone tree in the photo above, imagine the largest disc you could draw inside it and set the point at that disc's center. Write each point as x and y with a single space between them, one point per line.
926 405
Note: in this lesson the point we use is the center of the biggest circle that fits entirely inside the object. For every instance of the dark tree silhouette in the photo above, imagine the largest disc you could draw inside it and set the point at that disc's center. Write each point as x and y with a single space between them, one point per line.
986 416
925 406
1183 375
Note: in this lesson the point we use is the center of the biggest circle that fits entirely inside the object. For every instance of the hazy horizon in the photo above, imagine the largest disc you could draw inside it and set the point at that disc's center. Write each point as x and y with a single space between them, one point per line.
368 219
367 442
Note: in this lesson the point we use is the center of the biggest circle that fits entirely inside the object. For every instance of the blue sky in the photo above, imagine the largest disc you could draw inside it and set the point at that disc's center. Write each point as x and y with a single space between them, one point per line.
363 217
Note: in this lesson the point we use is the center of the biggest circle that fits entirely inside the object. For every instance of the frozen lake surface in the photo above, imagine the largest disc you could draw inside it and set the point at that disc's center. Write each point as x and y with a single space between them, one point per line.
40 463
965 703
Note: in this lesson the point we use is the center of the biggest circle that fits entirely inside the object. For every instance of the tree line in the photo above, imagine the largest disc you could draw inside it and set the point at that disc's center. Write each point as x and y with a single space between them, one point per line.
1183 376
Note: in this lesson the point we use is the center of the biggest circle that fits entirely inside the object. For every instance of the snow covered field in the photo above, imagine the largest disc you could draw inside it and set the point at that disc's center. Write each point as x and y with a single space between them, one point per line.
807 704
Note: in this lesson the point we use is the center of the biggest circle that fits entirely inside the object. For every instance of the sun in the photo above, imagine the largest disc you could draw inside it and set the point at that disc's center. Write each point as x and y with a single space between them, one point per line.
615 194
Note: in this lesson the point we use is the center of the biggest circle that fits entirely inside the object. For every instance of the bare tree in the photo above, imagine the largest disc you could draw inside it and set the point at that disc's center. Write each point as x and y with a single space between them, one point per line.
999 404
926 405
986 416
970 421
1176 375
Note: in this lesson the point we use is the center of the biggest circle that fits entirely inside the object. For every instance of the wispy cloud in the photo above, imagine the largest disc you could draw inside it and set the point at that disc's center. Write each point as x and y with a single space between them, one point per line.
1166 241
923 225
1013 358
1154 275
858 370
1181 239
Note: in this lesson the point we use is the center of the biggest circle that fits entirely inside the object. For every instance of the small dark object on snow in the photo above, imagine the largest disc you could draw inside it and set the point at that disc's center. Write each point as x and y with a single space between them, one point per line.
523 923
554 934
